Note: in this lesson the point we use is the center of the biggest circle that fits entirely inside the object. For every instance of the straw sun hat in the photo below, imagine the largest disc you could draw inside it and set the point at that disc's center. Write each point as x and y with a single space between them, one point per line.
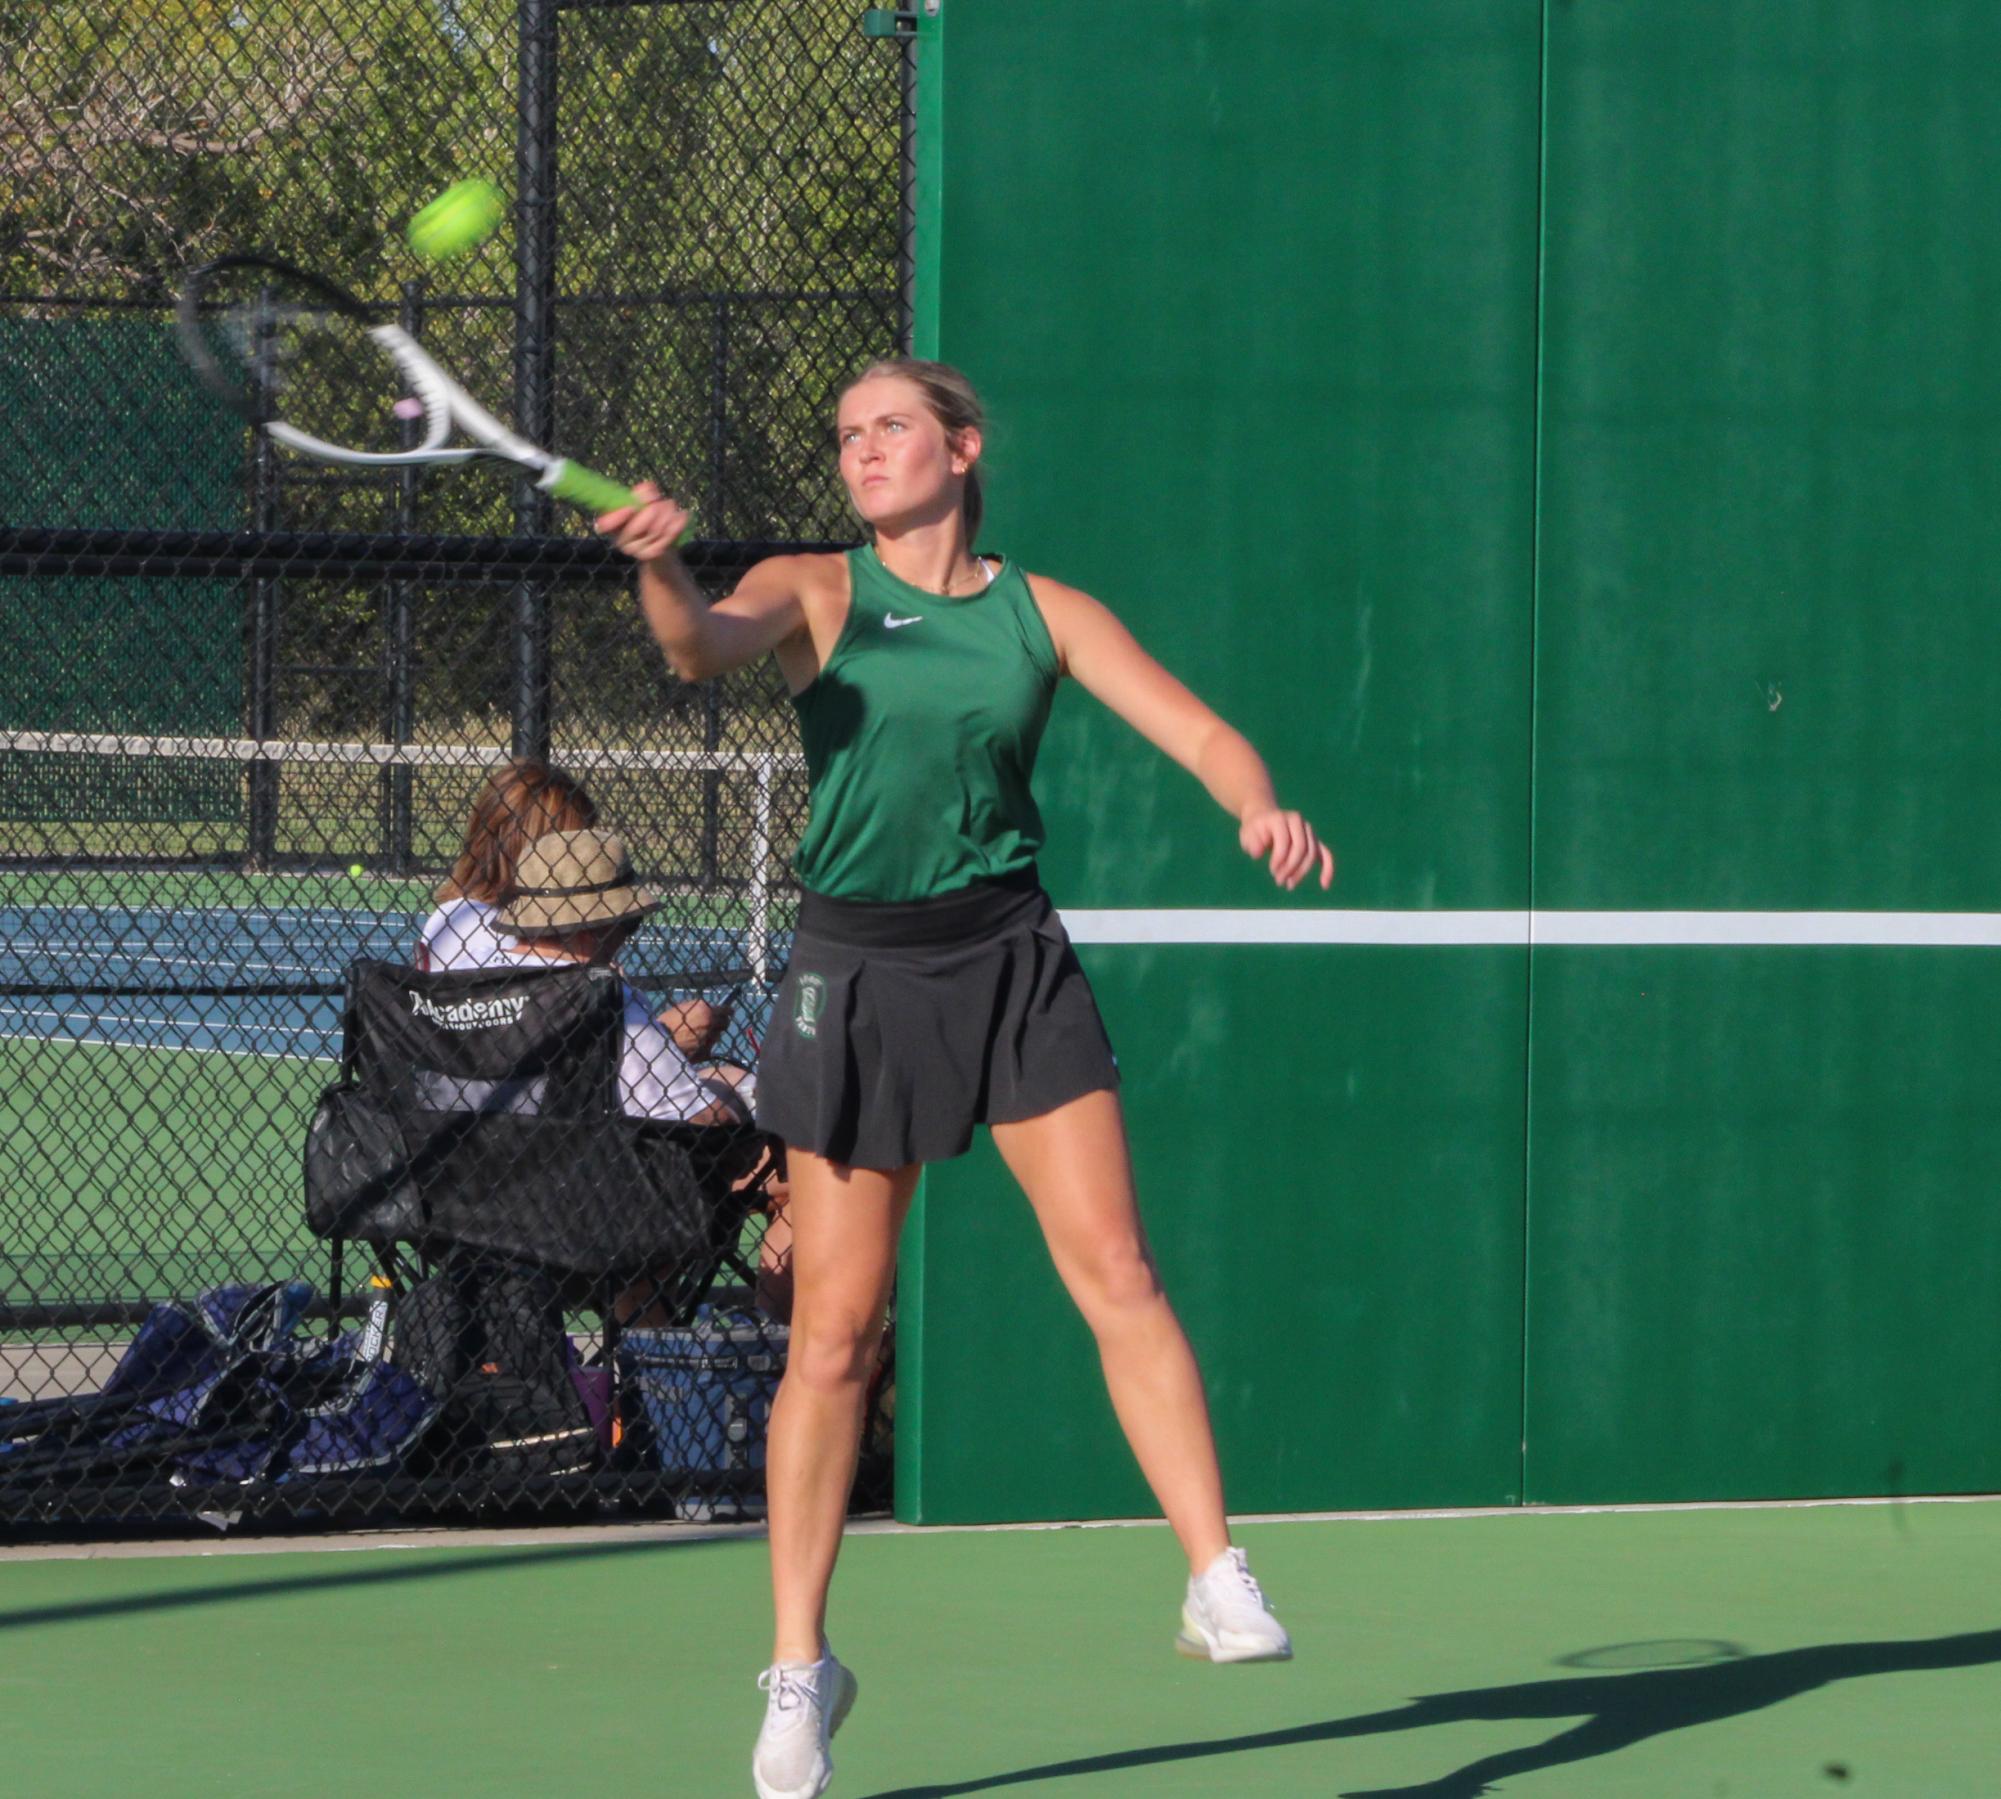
572 881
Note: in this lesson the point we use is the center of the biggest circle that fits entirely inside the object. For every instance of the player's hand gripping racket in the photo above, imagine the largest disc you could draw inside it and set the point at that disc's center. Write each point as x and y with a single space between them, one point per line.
307 362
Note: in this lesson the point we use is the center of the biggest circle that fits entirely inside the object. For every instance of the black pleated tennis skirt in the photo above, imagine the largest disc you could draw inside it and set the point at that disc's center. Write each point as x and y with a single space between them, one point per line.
899 1027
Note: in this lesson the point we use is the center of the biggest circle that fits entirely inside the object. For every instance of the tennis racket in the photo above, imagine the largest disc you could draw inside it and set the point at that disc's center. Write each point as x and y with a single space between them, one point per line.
321 373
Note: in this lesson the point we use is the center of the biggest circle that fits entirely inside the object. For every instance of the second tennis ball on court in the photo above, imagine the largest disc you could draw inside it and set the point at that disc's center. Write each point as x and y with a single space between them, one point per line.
461 218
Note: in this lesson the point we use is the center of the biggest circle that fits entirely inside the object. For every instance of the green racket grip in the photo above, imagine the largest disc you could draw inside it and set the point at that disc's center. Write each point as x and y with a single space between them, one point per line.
595 493
583 487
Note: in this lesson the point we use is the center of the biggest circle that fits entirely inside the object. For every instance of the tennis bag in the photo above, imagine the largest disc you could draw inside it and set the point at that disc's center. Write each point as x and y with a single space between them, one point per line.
223 1389
482 1109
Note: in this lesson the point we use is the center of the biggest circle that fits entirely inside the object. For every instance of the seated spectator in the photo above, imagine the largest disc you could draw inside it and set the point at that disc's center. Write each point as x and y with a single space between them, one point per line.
521 800
774 1253
574 900
697 1025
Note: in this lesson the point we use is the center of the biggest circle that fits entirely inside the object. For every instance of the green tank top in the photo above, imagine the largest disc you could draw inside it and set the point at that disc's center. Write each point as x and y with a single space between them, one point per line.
920 735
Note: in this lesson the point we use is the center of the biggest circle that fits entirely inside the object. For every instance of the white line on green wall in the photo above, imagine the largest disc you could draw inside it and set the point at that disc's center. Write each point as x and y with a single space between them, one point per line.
1933 930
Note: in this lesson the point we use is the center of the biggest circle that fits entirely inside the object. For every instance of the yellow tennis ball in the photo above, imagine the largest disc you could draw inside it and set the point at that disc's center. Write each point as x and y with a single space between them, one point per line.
461 218
357 871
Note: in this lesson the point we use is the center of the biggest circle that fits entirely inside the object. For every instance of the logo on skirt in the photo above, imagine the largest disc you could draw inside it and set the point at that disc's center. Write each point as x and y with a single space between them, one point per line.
810 1003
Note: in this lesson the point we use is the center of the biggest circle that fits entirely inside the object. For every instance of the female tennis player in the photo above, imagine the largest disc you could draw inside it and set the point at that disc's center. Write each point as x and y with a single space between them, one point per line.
932 988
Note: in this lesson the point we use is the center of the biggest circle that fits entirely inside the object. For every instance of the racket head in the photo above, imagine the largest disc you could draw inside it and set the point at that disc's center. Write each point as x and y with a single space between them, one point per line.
280 345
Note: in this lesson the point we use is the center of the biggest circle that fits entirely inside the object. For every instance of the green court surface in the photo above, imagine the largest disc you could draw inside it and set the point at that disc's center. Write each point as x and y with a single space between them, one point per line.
1755 1653
150 1173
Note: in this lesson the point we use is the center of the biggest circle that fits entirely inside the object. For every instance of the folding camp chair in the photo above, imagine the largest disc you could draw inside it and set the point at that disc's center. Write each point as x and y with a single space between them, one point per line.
477 1126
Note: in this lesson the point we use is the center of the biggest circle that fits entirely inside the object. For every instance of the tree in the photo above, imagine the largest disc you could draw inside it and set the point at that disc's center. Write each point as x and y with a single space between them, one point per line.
727 225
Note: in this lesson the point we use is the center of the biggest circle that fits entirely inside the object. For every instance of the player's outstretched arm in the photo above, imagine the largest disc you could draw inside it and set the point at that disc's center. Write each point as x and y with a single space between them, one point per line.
697 638
1108 663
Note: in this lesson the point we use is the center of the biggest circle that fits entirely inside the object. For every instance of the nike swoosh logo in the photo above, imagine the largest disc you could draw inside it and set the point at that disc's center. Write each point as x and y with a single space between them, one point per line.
892 621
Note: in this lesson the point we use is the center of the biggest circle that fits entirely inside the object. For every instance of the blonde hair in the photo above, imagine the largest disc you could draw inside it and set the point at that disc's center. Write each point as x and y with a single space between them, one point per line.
521 801
950 399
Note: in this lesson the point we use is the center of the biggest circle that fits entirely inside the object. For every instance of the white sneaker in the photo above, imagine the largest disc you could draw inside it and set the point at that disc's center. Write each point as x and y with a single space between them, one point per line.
807 1702
1225 1618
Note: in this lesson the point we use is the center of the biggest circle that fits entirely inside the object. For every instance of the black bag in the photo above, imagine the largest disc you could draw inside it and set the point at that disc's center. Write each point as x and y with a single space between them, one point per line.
356 1163
482 1109
484 1337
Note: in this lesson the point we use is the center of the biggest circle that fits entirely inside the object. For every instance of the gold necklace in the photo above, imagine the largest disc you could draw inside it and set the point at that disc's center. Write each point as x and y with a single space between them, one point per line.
945 592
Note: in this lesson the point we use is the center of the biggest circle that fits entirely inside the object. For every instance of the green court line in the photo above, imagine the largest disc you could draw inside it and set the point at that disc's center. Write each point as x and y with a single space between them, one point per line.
1852 1650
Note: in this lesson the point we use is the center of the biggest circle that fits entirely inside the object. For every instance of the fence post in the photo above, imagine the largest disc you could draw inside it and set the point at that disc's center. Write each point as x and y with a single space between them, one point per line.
760 872
713 526
262 776
534 350
906 194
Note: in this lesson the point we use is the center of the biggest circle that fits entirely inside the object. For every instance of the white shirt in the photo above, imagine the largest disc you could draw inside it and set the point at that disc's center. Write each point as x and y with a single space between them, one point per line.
460 934
654 1078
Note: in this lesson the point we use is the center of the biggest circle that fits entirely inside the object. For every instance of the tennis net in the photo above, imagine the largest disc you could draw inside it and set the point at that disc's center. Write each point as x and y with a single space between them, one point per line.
142 864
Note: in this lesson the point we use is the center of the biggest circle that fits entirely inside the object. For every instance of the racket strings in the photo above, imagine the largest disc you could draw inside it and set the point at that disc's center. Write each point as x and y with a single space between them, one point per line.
266 343
310 365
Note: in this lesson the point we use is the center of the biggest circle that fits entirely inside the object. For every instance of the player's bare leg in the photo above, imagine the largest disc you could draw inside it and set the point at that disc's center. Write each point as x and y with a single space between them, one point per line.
1075 1167
845 1224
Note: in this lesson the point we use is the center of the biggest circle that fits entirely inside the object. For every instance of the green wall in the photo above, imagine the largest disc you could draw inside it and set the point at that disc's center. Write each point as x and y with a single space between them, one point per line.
1319 512
1771 451
1761 1243
1565 438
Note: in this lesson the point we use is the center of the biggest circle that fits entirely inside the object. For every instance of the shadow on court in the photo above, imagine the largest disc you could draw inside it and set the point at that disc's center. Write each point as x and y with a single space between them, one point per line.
1618 1711
422 1565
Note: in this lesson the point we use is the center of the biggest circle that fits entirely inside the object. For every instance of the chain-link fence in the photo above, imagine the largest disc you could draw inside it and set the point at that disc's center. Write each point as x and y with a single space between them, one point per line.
248 702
